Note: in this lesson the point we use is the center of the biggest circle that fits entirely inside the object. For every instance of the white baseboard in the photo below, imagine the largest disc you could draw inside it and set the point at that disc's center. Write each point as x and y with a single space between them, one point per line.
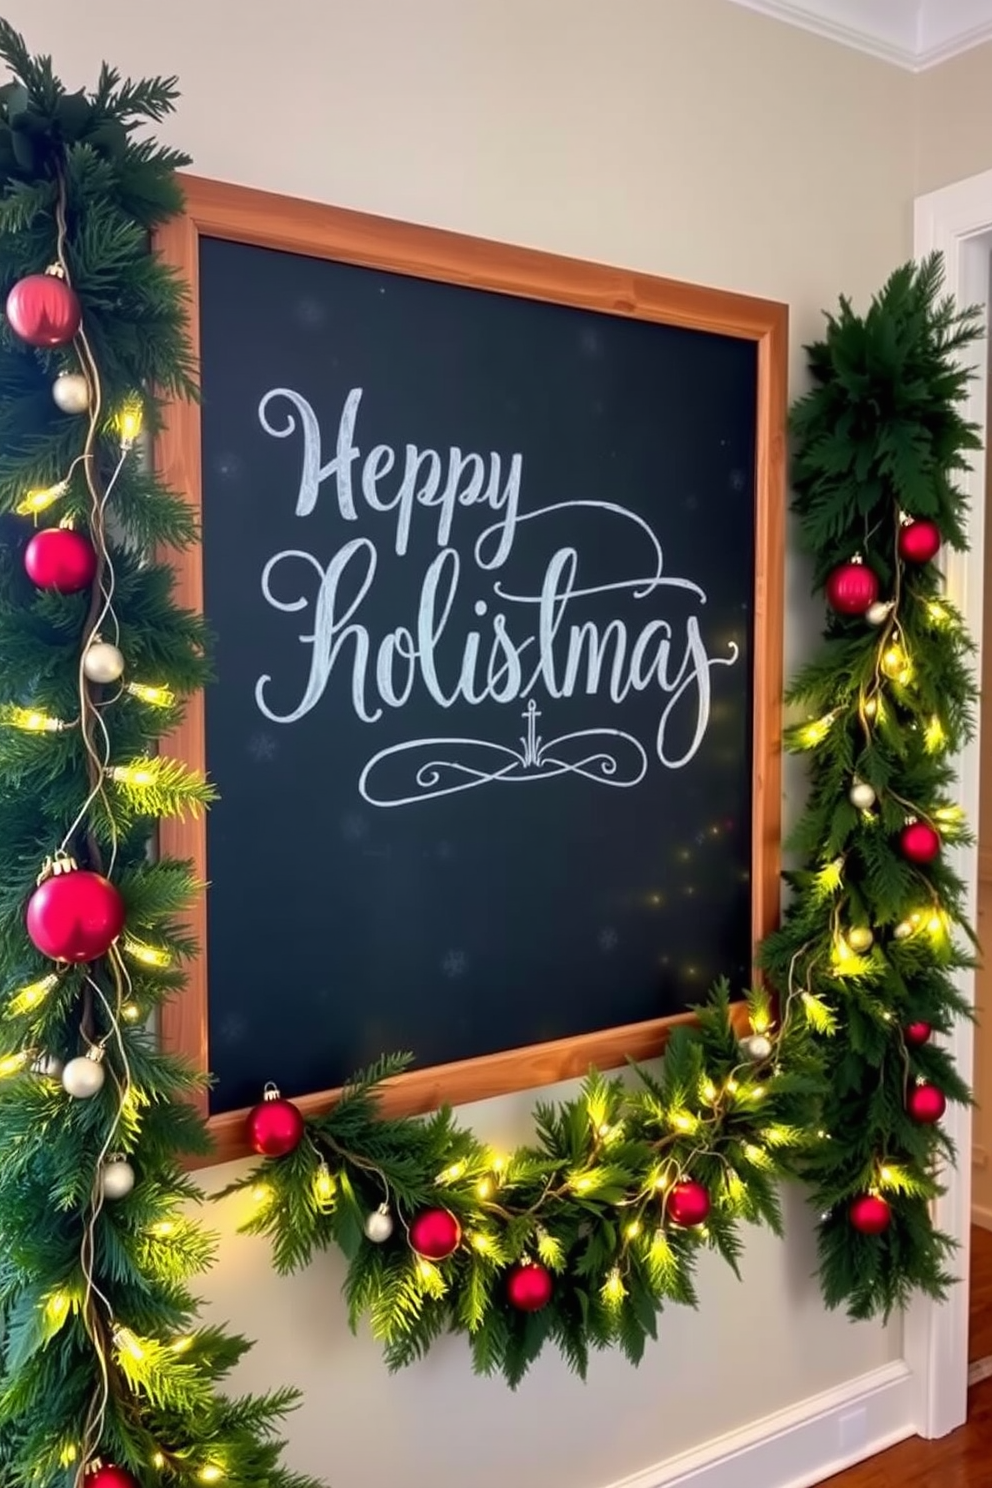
801 1446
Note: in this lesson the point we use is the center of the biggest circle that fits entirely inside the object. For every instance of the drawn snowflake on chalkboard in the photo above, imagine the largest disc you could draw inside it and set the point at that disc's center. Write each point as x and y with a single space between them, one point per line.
262 748
455 964
607 940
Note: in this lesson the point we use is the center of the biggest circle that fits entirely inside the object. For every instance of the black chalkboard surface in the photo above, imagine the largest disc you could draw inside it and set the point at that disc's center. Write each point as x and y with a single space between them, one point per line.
481 570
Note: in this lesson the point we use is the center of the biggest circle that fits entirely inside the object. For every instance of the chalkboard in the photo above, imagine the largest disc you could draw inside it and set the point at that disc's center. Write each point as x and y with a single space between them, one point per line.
490 582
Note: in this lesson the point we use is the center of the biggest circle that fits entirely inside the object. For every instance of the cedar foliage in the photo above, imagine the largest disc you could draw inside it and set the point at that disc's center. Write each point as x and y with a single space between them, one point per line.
165 1419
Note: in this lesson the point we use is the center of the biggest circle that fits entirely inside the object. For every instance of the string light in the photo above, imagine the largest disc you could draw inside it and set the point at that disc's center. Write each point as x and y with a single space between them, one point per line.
708 1091
12 1064
164 1228
126 1343
129 422
262 1194
57 1309
684 1121
32 721
896 665
211 1473
614 1290
815 732
323 1185
148 955
31 996
480 1242
937 613
934 737
158 1460
40 500
138 775
484 1188
155 697
452 1174
829 878
131 1012
633 1229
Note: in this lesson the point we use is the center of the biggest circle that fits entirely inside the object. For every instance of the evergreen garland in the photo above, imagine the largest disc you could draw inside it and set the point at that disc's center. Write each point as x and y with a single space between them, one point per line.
101 1356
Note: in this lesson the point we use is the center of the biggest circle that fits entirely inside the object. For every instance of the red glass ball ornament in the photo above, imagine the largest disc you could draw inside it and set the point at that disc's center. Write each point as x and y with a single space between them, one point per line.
43 310
926 1103
917 1033
529 1287
688 1203
919 541
871 1214
852 589
435 1234
58 558
919 842
275 1126
109 1476
75 915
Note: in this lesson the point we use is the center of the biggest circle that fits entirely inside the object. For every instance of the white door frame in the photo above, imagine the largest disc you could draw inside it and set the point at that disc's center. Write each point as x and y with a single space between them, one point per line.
957 221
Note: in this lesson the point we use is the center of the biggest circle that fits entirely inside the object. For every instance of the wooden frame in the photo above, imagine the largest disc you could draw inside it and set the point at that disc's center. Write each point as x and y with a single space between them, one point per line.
246 216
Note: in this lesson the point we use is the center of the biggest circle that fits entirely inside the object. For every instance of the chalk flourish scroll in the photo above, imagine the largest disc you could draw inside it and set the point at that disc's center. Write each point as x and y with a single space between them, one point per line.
605 756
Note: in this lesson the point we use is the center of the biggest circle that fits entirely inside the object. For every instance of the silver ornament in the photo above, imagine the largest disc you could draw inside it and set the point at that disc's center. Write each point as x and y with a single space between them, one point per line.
862 795
758 1047
879 612
71 392
379 1225
860 938
116 1178
83 1076
102 662
49 1066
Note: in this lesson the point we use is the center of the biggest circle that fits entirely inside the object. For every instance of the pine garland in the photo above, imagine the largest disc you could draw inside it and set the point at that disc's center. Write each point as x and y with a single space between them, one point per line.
101 1355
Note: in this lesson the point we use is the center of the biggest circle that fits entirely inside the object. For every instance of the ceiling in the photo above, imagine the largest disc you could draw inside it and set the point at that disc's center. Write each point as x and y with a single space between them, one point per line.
911 33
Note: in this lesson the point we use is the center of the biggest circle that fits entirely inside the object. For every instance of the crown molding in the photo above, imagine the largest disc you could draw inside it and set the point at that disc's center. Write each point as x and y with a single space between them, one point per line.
912 34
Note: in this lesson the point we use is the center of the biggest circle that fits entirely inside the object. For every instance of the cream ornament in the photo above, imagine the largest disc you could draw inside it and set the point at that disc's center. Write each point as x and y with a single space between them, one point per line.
71 392
758 1047
879 612
379 1225
102 662
83 1077
860 938
116 1177
862 795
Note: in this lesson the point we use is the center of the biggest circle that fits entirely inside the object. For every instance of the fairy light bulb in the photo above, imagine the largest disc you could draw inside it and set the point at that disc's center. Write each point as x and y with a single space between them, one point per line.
32 721
129 424
155 697
40 499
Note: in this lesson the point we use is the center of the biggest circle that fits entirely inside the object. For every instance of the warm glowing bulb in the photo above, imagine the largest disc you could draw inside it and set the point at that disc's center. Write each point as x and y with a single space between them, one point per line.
934 737
182 1345
633 1229
324 1185
261 1193
484 1188
482 1243
57 1308
708 1091
125 1342
129 423
158 1460
894 661
885 1174
12 1064
814 733
40 500
425 1270
684 1122
164 1228
937 613
582 1184
131 1012
148 955
33 721
31 996
211 1473
138 775
614 1290
155 697
731 1086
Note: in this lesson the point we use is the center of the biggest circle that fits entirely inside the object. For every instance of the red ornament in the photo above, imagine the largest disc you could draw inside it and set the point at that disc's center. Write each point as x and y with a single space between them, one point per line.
109 1476
275 1127
871 1214
852 588
917 1033
43 310
435 1234
919 541
688 1203
529 1287
919 842
75 915
58 558
926 1103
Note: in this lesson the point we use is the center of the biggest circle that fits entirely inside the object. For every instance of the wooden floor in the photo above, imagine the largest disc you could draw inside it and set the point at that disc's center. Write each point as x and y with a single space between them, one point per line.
963 1460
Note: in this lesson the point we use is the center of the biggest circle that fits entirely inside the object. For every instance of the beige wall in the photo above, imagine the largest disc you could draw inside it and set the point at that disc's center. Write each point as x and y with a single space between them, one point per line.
686 137
954 120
